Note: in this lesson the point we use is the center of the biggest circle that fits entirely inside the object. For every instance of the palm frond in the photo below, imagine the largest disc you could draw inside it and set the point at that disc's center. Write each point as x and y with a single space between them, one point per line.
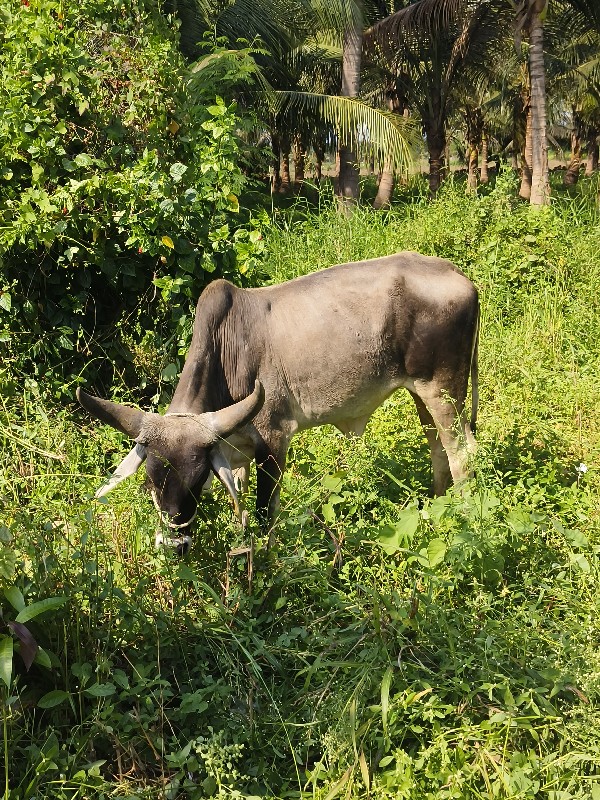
368 130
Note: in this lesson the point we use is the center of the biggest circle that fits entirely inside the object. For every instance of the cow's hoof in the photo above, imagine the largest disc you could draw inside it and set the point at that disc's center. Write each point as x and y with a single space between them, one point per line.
180 544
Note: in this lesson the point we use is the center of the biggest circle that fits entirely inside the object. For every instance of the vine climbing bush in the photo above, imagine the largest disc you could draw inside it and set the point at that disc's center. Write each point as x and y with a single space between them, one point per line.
119 183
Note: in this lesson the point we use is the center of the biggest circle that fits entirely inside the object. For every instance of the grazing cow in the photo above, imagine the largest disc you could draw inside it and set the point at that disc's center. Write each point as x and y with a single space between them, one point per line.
325 348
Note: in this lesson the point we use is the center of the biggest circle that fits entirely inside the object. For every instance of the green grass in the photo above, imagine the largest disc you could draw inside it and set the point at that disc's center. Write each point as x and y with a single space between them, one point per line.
390 646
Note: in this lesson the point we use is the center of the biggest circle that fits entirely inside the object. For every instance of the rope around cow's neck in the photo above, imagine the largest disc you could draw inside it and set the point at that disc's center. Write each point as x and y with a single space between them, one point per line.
164 517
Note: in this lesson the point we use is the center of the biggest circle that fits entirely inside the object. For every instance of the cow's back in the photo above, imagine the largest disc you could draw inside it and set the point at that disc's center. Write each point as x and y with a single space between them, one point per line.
339 341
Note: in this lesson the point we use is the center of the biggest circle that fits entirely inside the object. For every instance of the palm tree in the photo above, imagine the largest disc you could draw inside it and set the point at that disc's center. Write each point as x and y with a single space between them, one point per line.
349 171
300 69
578 86
529 20
426 46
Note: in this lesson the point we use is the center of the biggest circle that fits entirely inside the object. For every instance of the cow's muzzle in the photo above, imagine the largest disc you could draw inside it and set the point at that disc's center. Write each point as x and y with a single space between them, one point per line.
181 541
179 544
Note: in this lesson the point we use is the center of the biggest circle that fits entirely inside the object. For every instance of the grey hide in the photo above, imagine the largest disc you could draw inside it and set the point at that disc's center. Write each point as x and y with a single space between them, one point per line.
325 348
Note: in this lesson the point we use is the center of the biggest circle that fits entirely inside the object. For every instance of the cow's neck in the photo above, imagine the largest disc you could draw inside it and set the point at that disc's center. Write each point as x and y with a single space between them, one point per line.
212 376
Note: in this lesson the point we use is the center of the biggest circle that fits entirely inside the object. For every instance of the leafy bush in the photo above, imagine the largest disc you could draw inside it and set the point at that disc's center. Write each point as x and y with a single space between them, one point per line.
119 174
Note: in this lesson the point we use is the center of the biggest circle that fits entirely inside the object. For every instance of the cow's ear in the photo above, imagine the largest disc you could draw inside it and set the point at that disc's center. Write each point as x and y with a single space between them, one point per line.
124 418
222 469
130 464
224 422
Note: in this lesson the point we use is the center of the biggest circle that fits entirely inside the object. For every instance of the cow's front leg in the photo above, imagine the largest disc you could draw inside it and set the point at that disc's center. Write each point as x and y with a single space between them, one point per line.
270 464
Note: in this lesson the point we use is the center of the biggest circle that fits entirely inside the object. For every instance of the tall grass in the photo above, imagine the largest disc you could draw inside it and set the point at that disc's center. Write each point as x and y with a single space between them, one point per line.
390 646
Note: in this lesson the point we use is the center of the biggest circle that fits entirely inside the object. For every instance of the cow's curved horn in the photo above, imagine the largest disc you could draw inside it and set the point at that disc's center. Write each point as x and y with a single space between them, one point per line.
224 422
123 418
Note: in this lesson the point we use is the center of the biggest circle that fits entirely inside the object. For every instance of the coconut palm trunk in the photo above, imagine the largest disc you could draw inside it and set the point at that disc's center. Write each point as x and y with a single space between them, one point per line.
526 157
436 147
484 176
540 186
592 153
571 176
285 149
474 120
348 176
387 178
299 163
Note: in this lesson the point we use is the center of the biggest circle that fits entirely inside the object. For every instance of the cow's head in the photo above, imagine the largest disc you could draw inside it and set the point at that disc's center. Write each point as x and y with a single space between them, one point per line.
180 450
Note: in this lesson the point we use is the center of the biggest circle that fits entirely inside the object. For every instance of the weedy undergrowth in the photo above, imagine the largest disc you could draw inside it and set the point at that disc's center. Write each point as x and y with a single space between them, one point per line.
390 645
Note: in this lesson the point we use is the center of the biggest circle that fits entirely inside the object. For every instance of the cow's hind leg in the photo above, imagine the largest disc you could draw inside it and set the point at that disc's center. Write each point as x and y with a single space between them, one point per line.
442 476
452 441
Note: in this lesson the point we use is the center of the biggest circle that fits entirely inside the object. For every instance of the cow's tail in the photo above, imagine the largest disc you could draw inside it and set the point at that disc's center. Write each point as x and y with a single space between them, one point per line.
475 375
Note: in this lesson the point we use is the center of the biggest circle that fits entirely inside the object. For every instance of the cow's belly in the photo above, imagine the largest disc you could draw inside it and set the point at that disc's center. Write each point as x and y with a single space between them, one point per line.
349 411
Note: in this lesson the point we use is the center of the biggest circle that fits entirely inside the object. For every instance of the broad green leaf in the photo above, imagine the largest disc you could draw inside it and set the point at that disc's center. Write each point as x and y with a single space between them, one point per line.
101 690
217 111
41 607
169 373
407 524
328 512
7 648
393 537
36 172
15 598
580 561
8 563
42 658
177 171
334 483
576 538
53 698
436 550
389 539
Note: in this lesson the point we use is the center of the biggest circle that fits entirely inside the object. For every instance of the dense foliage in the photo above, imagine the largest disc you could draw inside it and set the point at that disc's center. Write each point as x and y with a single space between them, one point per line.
390 646
119 175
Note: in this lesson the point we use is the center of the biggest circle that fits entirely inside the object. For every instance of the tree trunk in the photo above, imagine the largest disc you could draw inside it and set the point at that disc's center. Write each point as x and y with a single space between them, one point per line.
348 176
436 146
519 123
540 186
386 187
474 123
387 177
299 163
484 177
276 178
472 168
434 125
526 157
571 176
592 154
319 156
285 165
